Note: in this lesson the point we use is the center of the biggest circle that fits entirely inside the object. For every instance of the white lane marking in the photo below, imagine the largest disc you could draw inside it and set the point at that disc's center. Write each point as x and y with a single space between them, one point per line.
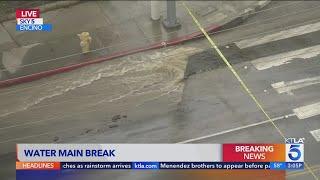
307 111
285 58
190 140
316 134
288 87
284 34
235 129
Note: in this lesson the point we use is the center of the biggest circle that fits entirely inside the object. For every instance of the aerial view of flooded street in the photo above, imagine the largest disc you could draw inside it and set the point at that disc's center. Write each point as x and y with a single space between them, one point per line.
128 88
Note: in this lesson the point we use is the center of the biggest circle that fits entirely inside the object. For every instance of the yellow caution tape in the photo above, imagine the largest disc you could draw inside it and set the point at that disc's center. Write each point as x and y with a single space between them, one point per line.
243 84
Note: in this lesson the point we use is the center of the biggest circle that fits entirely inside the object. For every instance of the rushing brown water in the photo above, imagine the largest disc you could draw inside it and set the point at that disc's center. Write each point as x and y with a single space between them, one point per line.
151 75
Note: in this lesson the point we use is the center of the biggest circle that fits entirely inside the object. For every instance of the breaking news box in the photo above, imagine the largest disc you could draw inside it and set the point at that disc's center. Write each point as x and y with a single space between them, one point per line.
63 161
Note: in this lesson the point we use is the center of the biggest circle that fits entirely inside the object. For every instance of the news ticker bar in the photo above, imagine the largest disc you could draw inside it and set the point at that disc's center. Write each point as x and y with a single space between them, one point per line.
159 165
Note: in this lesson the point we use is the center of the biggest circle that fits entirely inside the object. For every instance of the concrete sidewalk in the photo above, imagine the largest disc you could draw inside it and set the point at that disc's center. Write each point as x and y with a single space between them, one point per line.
115 26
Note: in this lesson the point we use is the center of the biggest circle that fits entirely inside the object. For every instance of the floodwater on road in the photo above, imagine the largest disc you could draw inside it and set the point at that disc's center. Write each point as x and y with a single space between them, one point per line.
147 76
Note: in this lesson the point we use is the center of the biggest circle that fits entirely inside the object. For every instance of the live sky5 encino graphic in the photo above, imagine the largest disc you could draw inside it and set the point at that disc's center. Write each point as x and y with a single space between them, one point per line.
29 20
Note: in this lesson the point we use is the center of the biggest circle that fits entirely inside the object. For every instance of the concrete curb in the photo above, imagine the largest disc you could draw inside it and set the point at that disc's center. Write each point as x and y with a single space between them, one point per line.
179 40
44 8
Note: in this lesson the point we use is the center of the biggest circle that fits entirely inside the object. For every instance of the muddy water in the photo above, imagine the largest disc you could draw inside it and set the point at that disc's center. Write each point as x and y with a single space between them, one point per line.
151 75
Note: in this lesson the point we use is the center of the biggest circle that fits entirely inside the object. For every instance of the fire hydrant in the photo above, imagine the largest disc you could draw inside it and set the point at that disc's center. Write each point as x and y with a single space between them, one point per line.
85 40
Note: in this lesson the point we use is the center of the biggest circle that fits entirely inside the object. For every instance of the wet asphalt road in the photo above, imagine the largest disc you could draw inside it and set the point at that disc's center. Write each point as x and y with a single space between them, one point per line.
156 105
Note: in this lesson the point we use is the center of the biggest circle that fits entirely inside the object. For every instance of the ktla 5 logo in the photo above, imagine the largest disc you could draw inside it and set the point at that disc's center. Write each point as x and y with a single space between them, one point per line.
294 152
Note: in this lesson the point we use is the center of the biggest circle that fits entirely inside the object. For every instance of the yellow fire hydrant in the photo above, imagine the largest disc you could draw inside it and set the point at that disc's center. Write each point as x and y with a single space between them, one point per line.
85 40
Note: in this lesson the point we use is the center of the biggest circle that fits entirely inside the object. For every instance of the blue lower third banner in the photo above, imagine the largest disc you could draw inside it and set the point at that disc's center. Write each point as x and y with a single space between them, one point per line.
166 165
286 165
294 165
278 165
34 27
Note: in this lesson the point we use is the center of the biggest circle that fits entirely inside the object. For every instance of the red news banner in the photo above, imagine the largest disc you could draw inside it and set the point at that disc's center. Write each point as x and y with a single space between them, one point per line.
254 152
27 13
